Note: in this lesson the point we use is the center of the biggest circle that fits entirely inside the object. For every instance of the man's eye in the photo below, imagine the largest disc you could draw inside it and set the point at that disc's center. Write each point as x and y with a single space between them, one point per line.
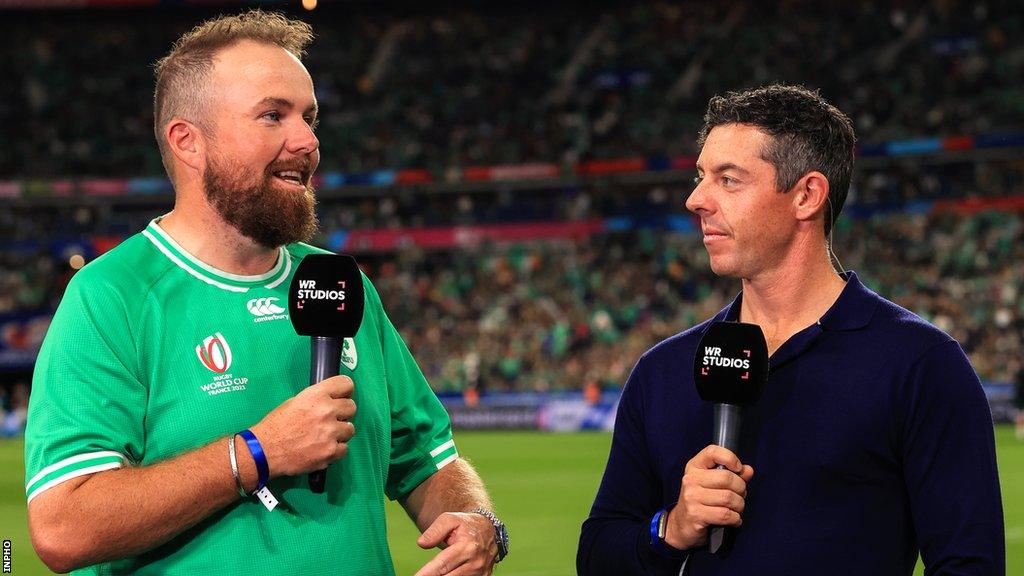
728 181
275 116
697 180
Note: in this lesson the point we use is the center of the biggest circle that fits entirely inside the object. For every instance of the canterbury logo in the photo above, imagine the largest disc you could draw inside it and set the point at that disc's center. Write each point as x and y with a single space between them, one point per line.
214 353
264 306
349 356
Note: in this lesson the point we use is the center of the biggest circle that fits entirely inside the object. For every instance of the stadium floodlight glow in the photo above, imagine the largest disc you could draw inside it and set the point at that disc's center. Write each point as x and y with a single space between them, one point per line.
309 4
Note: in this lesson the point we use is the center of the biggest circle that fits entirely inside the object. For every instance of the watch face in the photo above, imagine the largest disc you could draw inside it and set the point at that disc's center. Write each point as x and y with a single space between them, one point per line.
502 539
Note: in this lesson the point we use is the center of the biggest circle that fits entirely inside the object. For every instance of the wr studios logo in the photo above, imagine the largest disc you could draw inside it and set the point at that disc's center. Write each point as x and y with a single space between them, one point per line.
713 357
215 353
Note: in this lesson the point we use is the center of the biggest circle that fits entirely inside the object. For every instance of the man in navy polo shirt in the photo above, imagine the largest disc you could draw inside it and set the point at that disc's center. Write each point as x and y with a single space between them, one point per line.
873 439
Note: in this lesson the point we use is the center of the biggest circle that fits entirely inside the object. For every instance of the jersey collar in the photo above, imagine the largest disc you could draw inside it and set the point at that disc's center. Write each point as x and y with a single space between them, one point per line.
213 276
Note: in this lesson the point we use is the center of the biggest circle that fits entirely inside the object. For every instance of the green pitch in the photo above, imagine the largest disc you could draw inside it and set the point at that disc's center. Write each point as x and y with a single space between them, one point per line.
543 485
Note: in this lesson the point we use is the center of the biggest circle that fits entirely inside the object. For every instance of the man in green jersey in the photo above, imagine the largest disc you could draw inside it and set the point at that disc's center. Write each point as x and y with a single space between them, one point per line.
166 347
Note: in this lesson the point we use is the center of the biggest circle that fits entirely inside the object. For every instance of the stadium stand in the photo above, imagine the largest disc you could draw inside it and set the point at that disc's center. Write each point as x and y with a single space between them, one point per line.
934 219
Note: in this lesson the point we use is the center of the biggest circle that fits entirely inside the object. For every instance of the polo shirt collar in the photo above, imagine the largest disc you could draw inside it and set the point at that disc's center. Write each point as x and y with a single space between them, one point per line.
854 307
851 311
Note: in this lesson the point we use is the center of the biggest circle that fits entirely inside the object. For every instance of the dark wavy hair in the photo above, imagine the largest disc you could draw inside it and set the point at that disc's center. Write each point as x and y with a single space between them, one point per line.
807 134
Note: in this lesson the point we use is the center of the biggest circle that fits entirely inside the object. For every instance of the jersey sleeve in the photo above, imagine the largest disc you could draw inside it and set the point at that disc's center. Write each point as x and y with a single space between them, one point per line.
87 405
421 431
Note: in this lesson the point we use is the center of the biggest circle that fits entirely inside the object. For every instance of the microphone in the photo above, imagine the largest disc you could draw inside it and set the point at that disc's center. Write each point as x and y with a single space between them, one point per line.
729 369
325 301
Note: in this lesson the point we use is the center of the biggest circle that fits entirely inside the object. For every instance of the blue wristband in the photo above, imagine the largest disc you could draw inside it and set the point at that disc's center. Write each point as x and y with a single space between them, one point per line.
256 449
659 545
654 529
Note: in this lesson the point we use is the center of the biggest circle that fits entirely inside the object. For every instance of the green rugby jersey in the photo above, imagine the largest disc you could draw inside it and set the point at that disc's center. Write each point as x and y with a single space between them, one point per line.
152 353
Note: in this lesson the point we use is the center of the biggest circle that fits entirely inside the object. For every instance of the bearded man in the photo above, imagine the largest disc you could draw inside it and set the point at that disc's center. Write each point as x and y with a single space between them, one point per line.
139 458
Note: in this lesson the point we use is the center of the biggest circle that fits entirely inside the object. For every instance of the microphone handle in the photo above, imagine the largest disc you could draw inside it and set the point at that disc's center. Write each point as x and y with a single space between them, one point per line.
727 433
324 359
727 426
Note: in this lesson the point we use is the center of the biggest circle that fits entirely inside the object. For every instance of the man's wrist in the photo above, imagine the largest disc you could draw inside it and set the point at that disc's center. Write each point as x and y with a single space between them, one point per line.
661 528
673 537
259 457
500 532
247 472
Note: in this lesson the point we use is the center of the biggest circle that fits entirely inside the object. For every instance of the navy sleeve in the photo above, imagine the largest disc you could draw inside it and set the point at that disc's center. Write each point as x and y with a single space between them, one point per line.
615 540
949 462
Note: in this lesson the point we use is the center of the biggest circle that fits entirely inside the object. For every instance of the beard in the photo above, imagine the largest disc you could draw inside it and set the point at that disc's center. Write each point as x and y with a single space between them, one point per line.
258 209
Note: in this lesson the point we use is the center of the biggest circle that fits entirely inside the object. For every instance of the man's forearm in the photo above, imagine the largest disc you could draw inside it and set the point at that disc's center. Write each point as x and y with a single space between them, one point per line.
124 512
455 488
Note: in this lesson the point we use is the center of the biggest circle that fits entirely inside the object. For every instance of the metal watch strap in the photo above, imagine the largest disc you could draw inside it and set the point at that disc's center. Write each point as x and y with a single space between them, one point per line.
500 532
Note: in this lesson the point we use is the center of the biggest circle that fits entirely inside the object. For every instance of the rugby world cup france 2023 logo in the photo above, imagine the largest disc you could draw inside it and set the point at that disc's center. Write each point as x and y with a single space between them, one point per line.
215 353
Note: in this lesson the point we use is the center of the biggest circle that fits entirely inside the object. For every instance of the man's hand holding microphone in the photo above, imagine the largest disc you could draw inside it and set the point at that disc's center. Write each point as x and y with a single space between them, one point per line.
712 493
311 430
730 370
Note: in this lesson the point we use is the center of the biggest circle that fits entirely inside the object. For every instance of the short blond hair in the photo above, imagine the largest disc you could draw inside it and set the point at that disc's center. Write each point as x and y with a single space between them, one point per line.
182 77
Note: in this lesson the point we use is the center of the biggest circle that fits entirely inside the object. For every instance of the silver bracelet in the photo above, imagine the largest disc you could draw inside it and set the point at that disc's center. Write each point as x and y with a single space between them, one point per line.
234 466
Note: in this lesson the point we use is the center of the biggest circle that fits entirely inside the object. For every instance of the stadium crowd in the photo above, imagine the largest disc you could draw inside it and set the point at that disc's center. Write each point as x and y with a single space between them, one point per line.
565 315
450 86
569 313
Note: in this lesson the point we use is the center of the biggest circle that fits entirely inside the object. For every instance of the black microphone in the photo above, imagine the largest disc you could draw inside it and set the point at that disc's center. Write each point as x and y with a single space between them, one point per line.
325 301
730 369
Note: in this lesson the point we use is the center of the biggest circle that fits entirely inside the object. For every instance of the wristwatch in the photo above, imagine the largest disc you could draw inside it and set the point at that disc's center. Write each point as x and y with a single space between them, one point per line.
500 532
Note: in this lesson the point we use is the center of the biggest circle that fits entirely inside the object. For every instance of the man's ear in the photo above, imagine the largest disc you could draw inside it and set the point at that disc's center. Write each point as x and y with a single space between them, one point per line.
810 196
186 142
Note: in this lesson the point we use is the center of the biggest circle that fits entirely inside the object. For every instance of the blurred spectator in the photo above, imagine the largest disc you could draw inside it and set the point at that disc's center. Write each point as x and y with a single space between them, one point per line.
1018 399
14 410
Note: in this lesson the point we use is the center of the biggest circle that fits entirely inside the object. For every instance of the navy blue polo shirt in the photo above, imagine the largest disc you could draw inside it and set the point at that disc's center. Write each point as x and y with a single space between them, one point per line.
873 441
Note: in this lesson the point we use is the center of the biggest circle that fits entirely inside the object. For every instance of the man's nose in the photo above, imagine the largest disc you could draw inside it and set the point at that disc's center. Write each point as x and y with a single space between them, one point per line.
302 140
697 200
